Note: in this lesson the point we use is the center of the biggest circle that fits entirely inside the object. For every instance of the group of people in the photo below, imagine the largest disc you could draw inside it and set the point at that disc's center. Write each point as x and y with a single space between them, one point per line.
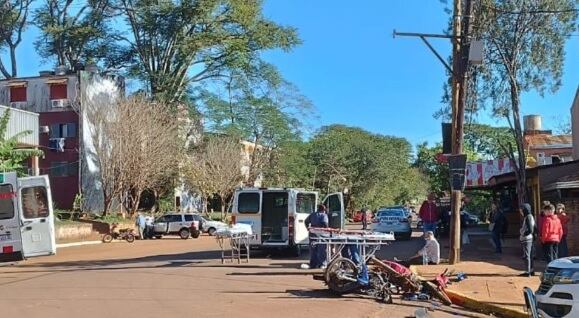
551 229
144 226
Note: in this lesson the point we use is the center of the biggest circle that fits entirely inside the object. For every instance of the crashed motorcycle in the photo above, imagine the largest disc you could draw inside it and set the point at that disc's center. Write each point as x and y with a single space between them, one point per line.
353 268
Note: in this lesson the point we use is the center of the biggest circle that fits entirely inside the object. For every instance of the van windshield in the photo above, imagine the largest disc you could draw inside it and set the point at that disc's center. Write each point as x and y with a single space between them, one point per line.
306 203
248 202
6 202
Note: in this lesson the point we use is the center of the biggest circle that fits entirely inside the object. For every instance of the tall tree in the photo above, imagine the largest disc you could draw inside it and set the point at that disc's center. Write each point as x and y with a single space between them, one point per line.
214 169
257 105
172 44
73 32
524 51
487 141
13 21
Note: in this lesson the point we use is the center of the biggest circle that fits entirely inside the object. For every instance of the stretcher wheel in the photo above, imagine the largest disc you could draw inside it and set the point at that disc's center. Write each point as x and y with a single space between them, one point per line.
341 276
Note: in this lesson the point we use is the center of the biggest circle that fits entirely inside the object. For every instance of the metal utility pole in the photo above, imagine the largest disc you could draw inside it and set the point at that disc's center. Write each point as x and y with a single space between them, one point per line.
460 50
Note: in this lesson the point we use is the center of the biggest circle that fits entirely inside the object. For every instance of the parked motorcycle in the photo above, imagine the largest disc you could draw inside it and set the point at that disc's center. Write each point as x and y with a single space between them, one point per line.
119 234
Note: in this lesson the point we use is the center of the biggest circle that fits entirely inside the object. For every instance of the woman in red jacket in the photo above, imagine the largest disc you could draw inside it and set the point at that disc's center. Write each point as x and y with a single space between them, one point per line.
551 233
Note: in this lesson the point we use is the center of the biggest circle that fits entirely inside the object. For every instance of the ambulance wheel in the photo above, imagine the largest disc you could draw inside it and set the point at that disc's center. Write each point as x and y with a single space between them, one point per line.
107 238
130 238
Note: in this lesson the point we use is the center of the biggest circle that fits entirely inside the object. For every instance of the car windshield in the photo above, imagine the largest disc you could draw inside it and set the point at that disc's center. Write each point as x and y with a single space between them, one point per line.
386 213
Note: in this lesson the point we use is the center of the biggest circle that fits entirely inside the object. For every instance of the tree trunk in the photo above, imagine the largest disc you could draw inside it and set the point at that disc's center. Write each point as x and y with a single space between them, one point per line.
222 198
13 61
521 173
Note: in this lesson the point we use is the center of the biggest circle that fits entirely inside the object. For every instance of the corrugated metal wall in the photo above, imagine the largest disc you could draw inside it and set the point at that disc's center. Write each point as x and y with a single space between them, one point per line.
22 121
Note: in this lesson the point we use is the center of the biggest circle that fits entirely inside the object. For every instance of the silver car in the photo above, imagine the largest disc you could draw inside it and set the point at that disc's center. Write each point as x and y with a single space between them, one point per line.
392 220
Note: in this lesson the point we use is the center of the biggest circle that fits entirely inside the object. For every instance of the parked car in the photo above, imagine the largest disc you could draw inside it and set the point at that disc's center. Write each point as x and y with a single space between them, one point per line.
183 225
470 219
558 294
392 220
210 226
358 216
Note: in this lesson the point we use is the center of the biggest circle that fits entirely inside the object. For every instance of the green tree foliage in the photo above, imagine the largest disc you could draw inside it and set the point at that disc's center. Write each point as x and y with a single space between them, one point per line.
375 169
436 173
524 51
12 157
259 106
73 32
487 141
172 44
13 21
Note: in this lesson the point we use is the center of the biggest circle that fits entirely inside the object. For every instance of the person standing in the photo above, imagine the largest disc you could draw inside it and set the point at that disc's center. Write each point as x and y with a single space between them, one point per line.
364 218
429 214
318 219
498 229
563 249
527 234
141 224
551 233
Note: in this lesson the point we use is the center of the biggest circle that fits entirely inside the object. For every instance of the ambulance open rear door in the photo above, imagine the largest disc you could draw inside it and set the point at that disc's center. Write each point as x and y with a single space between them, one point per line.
36 216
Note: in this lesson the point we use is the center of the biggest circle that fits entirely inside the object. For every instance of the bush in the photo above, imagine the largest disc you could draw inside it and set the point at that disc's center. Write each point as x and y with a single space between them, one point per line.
112 218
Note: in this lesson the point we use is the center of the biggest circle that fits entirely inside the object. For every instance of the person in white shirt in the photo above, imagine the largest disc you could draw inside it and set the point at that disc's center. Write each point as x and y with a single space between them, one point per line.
429 254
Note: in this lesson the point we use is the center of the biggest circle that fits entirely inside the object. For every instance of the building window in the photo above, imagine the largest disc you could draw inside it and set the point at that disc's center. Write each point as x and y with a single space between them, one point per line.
63 130
58 91
18 94
63 169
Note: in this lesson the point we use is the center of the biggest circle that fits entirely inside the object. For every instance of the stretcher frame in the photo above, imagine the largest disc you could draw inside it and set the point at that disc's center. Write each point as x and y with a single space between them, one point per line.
235 246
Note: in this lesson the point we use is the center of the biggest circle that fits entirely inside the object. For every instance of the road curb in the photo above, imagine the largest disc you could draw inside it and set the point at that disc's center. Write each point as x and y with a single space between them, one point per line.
65 245
486 308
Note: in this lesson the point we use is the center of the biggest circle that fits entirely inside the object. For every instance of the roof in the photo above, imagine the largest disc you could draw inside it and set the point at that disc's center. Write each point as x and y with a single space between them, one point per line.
570 181
510 176
544 141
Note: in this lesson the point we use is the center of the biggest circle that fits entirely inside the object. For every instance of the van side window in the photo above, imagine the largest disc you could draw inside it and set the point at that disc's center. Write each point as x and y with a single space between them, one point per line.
248 202
34 202
306 203
6 202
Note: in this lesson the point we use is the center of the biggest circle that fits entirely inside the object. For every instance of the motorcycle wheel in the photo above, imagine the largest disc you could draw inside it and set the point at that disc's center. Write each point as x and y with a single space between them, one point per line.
107 238
435 292
341 267
130 238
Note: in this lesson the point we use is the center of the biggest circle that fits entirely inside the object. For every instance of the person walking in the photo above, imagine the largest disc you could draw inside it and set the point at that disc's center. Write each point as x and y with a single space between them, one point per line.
563 249
527 235
364 213
429 214
141 224
317 219
499 229
551 233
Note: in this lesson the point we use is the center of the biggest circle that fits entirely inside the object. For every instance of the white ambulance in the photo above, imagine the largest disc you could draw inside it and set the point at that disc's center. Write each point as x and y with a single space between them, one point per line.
26 217
277 216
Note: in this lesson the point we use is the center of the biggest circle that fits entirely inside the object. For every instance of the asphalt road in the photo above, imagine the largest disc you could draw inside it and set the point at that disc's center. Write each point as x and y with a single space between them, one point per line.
177 278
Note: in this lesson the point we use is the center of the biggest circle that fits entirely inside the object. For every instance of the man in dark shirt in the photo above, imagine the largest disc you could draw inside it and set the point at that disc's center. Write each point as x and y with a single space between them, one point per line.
318 219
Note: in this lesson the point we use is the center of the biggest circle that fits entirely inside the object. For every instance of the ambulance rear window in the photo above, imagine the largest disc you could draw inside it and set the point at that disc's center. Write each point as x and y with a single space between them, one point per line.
34 202
248 202
6 202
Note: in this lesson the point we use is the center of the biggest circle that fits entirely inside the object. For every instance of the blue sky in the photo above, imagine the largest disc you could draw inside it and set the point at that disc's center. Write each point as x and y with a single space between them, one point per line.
356 74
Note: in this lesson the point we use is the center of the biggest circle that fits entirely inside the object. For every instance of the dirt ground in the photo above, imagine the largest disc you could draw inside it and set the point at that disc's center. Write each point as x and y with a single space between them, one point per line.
177 278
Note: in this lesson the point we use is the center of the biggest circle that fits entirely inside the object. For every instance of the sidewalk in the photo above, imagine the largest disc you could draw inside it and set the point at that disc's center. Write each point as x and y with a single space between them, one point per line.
492 278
